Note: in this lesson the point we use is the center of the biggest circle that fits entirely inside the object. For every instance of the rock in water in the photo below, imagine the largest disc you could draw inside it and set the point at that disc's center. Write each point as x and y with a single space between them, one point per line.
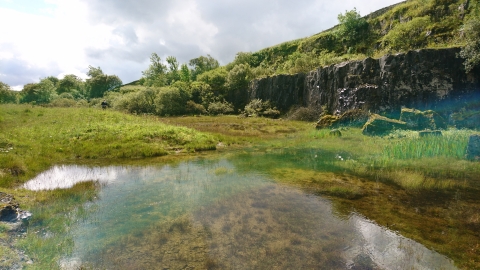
8 207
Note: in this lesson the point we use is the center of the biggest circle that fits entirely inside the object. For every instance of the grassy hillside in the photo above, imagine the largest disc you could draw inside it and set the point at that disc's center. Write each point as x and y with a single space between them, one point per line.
409 25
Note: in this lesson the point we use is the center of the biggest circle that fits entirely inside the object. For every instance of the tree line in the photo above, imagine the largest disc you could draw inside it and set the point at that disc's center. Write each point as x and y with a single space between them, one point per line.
202 86
166 88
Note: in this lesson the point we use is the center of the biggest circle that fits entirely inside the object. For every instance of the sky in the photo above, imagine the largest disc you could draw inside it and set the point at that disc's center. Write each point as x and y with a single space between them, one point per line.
41 38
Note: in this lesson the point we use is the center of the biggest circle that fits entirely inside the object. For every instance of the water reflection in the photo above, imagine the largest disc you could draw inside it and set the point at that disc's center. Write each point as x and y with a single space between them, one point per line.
66 176
207 215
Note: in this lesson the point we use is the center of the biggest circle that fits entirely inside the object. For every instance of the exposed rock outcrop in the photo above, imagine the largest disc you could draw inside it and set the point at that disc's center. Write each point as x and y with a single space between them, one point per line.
422 120
423 79
351 118
282 90
379 125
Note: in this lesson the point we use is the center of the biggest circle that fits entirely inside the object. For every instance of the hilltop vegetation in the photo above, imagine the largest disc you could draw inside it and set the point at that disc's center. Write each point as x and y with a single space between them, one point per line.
204 87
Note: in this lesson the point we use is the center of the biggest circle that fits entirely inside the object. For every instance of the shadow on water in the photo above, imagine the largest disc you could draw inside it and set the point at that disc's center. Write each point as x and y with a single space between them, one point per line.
232 213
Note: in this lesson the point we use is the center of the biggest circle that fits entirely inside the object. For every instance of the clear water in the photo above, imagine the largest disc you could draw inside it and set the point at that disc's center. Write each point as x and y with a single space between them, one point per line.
212 214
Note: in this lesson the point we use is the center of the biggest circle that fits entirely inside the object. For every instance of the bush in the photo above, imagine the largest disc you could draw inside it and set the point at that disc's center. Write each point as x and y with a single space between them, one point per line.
409 35
257 107
194 108
142 101
63 102
308 114
471 51
7 95
172 101
216 108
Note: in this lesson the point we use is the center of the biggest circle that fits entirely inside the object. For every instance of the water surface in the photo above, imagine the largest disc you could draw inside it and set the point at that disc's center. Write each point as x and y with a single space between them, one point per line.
207 214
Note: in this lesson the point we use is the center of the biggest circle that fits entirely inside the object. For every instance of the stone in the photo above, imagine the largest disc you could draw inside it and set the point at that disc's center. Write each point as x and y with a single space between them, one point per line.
380 126
335 133
422 120
326 121
352 118
473 147
8 207
10 211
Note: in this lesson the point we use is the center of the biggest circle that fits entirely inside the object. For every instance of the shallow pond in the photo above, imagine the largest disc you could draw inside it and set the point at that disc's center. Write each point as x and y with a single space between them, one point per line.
219 214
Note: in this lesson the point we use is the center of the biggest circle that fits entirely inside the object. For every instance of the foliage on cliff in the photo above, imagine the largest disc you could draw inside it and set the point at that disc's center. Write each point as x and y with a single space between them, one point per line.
409 25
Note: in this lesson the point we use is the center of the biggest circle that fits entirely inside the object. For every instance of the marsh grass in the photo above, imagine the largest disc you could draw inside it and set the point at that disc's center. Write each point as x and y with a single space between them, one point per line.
453 143
41 137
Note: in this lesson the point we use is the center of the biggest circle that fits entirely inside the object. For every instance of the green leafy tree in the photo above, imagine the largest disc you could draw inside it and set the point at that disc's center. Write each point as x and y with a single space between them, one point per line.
353 28
216 78
471 51
237 85
155 75
40 93
184 73
7 95
98 83
55 80
94 71
172 101
73 85
142 101
202 64
173 73
201 93
249 58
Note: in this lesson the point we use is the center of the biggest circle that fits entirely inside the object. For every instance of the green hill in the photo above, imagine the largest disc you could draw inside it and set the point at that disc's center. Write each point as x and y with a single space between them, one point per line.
409 25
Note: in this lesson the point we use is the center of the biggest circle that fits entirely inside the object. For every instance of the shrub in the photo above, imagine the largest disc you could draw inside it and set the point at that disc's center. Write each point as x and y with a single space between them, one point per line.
308 114
216 108
257 107
409 35
471 51
172 101
63 102
194 108
142 101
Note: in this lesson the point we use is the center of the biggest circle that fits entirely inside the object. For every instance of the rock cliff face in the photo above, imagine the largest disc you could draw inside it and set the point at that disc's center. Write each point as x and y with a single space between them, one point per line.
423 79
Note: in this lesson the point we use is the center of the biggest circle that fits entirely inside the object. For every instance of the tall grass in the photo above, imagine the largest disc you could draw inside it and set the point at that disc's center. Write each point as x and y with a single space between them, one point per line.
453 143
34 138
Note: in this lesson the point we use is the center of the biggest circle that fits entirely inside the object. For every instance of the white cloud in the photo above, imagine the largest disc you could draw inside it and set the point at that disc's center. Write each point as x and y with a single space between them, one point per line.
65 37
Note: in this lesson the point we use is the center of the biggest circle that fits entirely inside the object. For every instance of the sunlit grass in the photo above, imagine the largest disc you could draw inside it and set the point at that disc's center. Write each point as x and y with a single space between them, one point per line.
34 138
453 143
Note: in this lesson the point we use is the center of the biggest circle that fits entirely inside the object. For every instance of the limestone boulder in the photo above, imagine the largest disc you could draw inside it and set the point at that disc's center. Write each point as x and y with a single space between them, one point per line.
422 120
380 126
326 121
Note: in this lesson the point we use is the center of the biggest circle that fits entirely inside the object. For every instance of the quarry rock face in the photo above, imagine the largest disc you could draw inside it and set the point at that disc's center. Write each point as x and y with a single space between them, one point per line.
282 90
424 79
